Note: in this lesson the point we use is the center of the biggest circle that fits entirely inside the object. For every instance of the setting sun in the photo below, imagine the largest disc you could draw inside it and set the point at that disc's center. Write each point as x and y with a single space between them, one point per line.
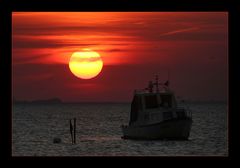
85 64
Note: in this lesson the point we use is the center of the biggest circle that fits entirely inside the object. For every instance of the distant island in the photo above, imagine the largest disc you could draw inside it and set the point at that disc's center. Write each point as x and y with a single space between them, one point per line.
42 101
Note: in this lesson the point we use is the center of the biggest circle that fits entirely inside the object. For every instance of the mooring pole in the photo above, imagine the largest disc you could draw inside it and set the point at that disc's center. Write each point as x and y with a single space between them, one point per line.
71 129
74 130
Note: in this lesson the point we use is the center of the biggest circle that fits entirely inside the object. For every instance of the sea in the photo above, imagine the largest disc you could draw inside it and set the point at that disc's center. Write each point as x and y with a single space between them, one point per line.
98 131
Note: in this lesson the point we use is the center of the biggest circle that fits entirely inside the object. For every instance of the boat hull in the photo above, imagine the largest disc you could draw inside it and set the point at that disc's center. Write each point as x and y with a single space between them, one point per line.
176 129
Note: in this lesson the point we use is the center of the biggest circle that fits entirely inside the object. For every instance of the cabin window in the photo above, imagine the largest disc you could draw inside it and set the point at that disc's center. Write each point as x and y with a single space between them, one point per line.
167 115
146 116
155 116
151 101
166 101
135 106
181 113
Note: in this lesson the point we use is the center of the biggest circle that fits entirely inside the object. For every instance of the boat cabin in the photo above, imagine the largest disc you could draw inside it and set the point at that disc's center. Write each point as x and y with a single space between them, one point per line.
149 107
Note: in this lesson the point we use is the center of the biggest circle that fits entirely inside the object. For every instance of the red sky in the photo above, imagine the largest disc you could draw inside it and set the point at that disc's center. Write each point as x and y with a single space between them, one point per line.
134 46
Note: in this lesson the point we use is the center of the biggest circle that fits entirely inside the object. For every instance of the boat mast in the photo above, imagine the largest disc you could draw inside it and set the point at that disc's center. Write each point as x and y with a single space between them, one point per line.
157 90
168 77
150 86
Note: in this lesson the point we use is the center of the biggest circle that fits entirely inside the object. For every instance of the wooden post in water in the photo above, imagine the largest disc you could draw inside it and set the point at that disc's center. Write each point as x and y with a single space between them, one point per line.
74 131
71 129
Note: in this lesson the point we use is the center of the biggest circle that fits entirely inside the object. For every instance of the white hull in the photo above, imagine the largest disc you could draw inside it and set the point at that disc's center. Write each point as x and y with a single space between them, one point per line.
169 129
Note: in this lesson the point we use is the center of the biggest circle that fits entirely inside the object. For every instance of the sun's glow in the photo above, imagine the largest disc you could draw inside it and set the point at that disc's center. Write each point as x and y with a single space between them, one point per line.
85 64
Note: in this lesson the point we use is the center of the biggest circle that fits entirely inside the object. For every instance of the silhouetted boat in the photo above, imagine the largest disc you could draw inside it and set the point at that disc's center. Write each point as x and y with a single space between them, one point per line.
155 115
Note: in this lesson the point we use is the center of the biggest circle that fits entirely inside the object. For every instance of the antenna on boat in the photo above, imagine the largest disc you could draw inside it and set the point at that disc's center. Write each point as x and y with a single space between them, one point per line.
157 90
150 86
168 78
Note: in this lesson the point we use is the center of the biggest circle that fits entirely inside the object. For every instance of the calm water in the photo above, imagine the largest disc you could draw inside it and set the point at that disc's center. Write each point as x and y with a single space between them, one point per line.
99 132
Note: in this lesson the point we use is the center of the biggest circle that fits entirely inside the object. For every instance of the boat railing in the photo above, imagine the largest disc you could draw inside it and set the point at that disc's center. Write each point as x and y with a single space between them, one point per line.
141 91
138 91
188 111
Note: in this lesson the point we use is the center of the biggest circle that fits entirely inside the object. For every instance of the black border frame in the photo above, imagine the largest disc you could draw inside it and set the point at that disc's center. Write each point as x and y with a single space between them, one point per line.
7 7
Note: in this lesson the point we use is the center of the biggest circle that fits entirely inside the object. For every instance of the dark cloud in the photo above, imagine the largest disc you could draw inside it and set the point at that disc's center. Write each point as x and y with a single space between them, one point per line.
91 59
116 50
51 29
27 57
45 43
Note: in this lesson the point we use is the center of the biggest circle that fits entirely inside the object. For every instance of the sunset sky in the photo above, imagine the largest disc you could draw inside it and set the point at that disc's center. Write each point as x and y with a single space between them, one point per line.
134 47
